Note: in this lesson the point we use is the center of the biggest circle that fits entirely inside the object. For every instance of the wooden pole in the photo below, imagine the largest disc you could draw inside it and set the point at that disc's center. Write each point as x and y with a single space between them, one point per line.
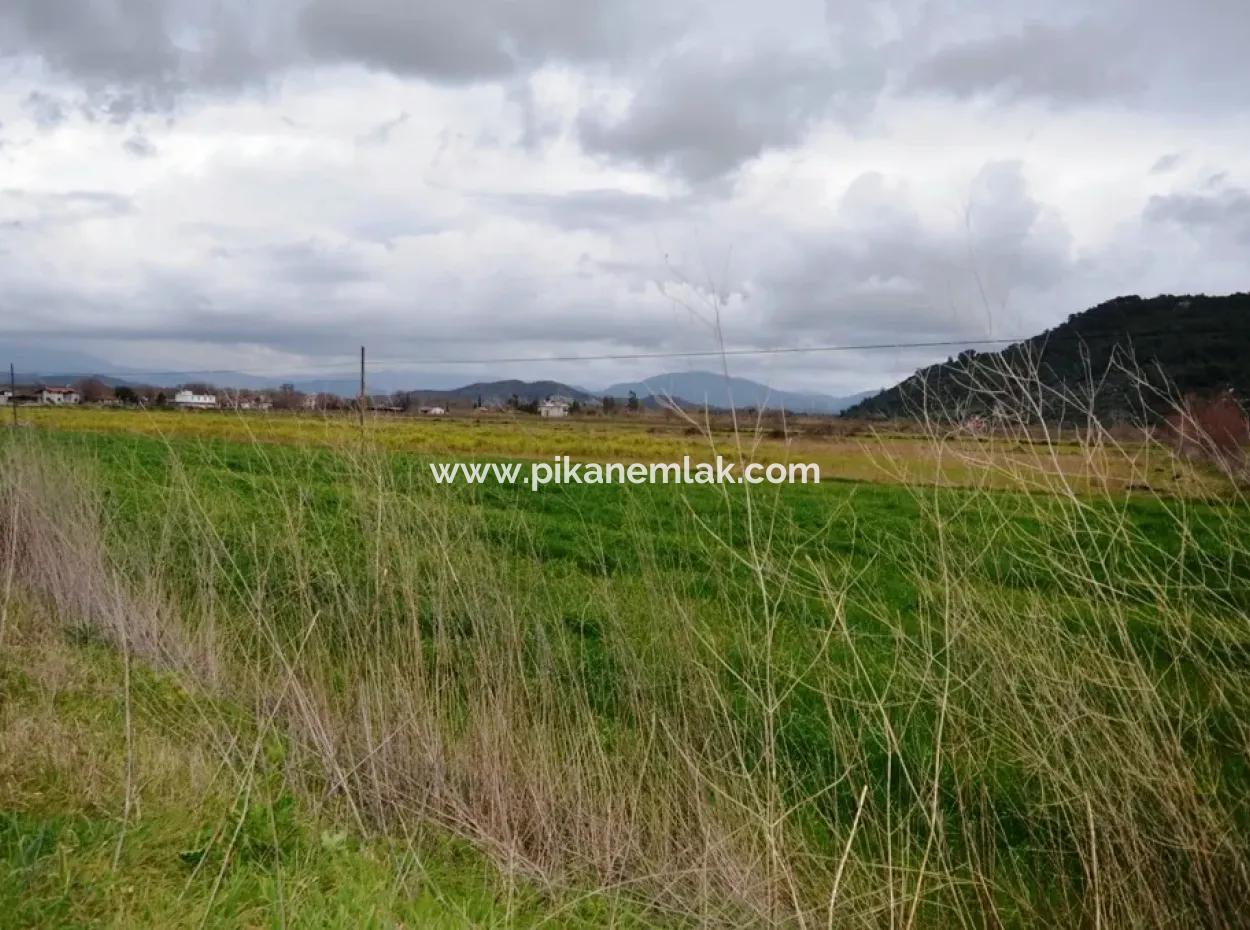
13 393
361 399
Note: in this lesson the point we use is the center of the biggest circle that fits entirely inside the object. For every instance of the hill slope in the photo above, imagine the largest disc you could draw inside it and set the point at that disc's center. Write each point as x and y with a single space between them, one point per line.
1096 361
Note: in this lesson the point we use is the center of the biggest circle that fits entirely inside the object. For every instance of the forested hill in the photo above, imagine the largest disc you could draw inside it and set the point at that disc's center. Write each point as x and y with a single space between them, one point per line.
1180 345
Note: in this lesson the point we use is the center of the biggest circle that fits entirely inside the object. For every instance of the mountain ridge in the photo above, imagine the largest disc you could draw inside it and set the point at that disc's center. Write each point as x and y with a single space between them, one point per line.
1128 358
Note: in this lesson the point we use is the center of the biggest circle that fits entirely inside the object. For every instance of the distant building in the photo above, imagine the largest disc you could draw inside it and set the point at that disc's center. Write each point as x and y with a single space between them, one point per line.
434 411
231 399
5 396
57 396
24 396
553 407
190 401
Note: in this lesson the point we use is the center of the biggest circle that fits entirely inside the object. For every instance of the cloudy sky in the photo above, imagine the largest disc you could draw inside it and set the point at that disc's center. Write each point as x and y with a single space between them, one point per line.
266 185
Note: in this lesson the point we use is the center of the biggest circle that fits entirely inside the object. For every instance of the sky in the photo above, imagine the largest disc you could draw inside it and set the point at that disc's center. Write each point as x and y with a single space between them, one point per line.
266 186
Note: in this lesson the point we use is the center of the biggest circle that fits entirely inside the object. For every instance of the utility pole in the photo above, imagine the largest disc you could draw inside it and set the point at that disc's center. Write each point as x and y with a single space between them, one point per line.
361 399
13 393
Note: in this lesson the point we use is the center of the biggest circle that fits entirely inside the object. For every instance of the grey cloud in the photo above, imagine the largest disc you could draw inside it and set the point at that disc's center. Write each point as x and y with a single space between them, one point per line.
108 41
701 116
1219 211
296 265
42 210
131 56
156 49
1064 64
381 133
187 307
537 126
1171 54
139 146
473 40
456 42
1166 163
142 55
45 109
312 264
590 209
881 272
119 107
1012 235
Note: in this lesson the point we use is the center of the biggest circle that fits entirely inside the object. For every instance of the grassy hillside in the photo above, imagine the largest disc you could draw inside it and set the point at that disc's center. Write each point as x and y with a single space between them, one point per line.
251 683
1122 361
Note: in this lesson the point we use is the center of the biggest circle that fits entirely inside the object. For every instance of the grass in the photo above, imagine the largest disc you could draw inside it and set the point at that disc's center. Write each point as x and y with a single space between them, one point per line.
860 454
67 859
852 704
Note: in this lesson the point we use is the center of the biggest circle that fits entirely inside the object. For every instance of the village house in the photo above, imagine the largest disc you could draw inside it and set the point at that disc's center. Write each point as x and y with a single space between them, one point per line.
57 396
433 411
5 396
187 400
554 407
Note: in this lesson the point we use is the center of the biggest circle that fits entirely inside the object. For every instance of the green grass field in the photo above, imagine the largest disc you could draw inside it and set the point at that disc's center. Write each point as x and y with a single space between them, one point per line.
856 452
292 682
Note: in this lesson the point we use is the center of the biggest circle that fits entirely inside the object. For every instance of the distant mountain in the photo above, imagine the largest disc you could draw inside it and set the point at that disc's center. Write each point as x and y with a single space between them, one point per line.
700 388
1179 345
34 363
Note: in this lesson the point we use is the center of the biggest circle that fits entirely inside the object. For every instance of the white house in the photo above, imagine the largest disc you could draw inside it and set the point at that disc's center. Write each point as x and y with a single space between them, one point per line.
5 396
553 408
57 395
434 411
189 401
